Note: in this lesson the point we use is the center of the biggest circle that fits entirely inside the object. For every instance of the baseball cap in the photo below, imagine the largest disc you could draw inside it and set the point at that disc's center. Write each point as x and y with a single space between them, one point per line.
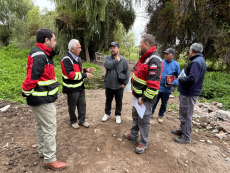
114 44
170 50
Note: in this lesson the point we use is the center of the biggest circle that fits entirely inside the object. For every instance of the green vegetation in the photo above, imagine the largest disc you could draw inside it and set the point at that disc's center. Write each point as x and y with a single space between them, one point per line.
13 72
179 23
173 106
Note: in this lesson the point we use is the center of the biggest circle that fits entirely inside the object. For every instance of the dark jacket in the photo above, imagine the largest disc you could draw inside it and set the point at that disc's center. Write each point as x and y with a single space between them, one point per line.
72 74
147 76
40 85
192 84
112 64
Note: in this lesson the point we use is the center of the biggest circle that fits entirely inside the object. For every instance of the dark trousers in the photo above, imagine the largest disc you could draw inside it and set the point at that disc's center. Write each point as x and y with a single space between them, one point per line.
164 99
77 99
142 125
109 93
185 115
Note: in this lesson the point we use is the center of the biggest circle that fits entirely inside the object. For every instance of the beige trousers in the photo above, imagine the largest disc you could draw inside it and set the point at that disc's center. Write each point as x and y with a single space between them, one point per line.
46 128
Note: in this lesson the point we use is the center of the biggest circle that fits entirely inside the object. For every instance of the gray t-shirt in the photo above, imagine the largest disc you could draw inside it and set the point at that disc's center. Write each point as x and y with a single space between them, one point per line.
110 63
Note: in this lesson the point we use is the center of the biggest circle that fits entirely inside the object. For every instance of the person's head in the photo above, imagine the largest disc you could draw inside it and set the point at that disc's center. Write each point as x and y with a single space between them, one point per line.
74 46
195 48
46 37
169 54
147 42
114 48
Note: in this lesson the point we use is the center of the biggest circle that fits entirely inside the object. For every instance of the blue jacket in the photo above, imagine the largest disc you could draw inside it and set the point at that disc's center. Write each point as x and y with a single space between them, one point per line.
192 84
169 68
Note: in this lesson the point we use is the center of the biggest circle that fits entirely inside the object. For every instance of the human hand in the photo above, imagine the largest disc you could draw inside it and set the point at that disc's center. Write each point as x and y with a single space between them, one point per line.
122 86
140 101
89 75
118 58
178 77
170 85
92 69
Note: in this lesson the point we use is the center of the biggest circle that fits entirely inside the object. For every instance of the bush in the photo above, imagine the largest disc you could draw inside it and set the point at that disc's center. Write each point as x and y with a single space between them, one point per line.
216 85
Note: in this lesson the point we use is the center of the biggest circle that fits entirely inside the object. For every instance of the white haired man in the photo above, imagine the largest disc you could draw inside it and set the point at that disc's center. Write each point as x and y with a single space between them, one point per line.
73 84
190 87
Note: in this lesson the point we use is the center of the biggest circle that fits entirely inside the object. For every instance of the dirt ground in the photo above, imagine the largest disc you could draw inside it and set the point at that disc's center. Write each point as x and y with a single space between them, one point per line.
101 147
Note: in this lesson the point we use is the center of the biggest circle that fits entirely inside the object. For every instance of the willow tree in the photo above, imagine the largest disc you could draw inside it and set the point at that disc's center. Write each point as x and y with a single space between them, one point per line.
179 23
92 22
10 10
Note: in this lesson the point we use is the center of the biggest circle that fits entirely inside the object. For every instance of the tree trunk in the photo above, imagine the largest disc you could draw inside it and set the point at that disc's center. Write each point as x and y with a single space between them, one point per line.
87 54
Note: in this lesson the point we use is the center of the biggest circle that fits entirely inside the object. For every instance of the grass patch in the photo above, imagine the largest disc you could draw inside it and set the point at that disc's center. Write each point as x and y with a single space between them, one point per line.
173 106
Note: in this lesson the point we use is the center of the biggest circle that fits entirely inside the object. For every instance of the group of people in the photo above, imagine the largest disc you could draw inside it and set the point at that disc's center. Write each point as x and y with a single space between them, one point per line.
149 85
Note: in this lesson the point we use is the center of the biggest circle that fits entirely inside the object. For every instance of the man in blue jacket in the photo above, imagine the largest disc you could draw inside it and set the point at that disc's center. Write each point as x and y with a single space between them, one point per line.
190 87
170 68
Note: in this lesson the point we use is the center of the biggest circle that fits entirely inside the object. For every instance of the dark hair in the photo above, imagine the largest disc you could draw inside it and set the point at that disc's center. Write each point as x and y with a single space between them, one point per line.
149 38
42 34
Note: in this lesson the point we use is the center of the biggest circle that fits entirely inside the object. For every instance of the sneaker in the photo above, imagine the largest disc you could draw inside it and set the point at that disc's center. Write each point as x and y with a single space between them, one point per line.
85 124
140 149
127 136
75 126
160 120
105 118
180 140
154 116
177 132
118 119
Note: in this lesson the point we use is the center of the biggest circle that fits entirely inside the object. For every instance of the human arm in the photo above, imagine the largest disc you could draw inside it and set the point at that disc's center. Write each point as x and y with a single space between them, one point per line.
153 79
177 72
110 63
192 77
35 69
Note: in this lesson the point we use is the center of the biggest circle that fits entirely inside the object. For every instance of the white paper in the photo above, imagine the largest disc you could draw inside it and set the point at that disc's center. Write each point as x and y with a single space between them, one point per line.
140 108
182 74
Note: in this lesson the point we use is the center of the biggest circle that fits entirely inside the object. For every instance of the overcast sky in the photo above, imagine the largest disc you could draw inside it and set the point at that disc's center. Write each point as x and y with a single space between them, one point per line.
138 26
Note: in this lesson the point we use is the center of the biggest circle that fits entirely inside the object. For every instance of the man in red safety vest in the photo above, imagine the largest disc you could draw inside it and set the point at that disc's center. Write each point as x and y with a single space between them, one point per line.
145 85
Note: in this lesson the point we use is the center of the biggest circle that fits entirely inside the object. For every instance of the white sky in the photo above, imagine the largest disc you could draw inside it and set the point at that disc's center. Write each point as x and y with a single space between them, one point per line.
138 27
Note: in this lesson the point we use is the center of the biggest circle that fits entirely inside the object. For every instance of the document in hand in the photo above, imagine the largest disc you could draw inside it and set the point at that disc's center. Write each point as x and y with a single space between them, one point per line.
140 108
182 74
169 79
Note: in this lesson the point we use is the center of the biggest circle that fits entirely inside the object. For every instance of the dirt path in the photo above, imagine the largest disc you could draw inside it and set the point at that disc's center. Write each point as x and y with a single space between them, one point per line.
101 148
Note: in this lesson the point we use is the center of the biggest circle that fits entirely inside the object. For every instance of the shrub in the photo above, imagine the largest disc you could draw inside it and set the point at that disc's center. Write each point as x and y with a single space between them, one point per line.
216 85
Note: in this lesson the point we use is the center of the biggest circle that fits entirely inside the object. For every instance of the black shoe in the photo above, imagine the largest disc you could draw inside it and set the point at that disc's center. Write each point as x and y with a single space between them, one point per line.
180 140
177 132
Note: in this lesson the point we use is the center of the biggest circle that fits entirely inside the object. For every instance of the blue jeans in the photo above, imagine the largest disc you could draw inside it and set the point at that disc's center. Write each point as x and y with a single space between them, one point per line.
164 99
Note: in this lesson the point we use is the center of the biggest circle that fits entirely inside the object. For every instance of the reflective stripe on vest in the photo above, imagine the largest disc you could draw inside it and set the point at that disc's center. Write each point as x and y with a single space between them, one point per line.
45 93
150 93
78 76
136 90
139 80
72 85
48 82
27 93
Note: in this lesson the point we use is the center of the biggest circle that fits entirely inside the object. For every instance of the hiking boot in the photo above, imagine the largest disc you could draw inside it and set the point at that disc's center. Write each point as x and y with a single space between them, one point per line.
177 132
140 149
75 126
57 166
154 116
85 124
160 120
127 136
105 118
180 140
118 119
